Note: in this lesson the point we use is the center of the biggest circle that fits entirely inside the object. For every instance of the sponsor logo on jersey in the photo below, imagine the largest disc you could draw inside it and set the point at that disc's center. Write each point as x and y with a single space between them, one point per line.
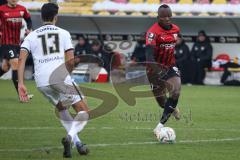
50 59
14 20
6 14
167 45
150 37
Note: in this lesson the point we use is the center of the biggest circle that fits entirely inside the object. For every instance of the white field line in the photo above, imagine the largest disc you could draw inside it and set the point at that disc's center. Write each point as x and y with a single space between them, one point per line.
47 149
112 128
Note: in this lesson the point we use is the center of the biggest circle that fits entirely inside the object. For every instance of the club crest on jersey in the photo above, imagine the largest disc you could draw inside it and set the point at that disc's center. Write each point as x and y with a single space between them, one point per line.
175 36
21 13
150 36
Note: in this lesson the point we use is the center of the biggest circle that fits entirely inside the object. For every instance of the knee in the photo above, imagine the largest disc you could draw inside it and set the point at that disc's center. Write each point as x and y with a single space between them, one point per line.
176 93
14 64
60 107
5 67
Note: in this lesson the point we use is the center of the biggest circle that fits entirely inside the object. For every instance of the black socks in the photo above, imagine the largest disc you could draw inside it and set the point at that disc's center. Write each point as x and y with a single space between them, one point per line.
15 79
169 107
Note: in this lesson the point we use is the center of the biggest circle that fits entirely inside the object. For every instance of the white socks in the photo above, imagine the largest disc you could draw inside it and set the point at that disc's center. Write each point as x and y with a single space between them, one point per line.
67 120
78 123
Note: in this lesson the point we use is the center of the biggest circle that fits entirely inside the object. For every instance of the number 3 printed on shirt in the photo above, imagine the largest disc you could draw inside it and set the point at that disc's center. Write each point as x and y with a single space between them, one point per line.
11 53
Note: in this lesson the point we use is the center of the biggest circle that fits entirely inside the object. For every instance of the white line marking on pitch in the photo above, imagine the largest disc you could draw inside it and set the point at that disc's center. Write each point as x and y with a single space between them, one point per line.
46 149
111 128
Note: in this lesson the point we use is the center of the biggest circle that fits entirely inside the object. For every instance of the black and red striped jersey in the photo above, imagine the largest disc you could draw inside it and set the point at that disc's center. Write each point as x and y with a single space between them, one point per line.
164 43
11 23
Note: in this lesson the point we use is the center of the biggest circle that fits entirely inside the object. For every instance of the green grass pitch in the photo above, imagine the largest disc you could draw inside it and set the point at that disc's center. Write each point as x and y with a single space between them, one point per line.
209 128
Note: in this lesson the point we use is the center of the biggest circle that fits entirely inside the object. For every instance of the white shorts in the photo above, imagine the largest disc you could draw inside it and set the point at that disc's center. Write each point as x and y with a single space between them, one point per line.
64 93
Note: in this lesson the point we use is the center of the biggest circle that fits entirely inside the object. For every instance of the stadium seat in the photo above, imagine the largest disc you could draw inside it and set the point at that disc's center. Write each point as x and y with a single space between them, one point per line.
136 14
120 1
204 14
234 1
185 2
70 4
120 13
153 1
168 1
152 14
44 1
219 2
104 13
68 10
202 2
135 1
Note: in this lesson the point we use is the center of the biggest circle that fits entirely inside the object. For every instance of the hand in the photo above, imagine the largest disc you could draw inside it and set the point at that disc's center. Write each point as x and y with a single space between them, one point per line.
27 31
22 93
133 62
158 69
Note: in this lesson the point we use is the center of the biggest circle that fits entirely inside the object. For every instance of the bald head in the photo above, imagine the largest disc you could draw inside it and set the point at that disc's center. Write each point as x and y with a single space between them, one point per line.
164 15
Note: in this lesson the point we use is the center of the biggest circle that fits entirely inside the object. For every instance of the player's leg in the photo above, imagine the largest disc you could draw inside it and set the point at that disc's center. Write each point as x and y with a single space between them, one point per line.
71 94
5 63
52 93
14 65
81 108
78 123
159 92
5 67
158 88
66 120
174 88
13 52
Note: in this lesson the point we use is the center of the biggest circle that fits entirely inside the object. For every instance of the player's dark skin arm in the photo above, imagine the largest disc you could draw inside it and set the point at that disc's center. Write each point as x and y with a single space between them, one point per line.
29 23
149 54
155 67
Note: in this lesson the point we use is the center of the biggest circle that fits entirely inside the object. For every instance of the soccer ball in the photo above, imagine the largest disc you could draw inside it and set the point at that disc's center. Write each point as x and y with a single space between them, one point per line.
166 135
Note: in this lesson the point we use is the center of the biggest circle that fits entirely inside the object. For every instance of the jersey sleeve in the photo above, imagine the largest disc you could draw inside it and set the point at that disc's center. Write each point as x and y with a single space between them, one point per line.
68 42
1 21
26 44
26 14
151 37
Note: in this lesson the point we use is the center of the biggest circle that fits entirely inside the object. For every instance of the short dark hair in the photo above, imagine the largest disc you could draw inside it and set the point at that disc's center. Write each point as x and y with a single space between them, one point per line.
164 6
96 42
49 11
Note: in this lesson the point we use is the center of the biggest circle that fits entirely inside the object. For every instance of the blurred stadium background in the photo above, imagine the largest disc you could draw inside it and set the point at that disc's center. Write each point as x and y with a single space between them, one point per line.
209 128
121 23
117 21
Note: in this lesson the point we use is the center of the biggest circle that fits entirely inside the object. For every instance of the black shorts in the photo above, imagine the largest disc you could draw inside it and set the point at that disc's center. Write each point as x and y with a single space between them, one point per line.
172 72
157 80
10 51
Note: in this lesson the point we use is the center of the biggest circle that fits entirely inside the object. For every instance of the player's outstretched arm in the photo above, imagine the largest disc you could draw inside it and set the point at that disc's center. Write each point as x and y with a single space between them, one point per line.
22 90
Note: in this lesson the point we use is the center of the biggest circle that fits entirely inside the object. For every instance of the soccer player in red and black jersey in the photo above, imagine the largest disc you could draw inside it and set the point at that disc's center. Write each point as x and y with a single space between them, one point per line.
11 15
161 67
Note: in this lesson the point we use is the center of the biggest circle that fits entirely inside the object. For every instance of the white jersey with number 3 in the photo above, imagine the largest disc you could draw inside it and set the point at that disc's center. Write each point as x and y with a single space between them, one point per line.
48 45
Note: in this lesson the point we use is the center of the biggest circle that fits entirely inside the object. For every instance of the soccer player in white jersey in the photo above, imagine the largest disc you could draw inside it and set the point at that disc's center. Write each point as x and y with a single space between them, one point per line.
51 48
